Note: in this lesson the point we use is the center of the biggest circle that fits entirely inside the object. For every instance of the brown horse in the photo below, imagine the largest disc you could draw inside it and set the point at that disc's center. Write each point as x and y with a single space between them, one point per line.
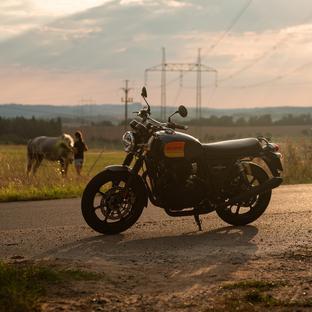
51 148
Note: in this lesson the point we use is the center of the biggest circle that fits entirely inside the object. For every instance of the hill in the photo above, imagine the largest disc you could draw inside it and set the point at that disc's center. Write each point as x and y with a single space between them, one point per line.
115 112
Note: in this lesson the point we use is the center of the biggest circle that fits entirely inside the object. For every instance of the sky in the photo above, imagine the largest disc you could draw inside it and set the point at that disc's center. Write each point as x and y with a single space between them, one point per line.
73 52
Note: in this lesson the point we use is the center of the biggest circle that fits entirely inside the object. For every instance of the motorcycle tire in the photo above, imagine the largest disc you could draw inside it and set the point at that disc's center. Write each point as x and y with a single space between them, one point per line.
111 201
258 204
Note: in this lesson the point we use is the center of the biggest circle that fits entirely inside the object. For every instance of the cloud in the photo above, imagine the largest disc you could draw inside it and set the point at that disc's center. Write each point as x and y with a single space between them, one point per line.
19 16
70 34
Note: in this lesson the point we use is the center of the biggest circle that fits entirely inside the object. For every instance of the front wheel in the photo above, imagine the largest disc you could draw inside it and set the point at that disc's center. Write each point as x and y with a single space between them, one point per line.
249 210
109 204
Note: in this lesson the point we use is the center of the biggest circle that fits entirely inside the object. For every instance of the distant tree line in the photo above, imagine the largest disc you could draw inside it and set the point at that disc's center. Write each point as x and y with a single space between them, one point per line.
19 130
262 120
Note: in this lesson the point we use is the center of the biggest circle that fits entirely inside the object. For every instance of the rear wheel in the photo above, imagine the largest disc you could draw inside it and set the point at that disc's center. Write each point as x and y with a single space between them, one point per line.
250 210
109 205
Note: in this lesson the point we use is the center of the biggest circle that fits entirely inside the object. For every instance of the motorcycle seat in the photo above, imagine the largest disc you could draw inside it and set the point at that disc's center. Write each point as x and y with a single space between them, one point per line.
233 148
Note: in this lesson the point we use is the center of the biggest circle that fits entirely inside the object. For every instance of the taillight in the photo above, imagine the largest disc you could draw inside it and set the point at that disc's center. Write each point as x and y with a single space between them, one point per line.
274 147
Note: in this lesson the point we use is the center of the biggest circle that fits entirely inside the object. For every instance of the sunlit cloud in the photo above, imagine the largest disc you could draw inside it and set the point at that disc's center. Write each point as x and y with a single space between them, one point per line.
64 7
267 50
20 16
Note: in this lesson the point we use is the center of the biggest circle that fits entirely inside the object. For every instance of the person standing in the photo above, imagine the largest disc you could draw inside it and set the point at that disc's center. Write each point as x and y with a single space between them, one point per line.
80 147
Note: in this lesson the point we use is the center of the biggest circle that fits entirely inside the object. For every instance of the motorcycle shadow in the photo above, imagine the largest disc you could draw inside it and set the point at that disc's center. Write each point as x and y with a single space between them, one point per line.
227 241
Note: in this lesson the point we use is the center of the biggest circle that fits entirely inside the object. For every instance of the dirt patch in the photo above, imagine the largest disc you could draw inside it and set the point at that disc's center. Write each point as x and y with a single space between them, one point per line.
280 283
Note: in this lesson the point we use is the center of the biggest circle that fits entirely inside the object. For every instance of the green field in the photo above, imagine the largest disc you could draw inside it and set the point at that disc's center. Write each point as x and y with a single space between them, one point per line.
49 184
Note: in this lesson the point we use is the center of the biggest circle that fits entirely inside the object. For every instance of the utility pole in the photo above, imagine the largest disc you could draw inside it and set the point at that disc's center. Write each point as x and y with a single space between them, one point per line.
198 87
196 67
126 100
163 86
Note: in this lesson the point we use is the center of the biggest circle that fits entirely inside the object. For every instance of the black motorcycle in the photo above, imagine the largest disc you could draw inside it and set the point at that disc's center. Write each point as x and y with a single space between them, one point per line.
181 175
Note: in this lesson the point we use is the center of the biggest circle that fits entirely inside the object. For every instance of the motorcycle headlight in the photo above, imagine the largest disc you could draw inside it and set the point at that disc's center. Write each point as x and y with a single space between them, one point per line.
128 140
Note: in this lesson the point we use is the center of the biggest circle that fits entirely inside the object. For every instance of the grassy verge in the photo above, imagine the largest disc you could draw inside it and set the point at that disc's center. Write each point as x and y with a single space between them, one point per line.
255 295
23 286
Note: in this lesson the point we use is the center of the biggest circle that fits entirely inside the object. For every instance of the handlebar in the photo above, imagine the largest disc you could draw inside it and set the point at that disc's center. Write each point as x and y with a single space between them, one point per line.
181 127
144 115
173 126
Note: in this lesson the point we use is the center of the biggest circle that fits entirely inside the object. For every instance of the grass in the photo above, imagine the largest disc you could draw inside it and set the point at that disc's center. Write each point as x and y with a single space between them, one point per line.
261 285
297 159
23 286
48 182
248 294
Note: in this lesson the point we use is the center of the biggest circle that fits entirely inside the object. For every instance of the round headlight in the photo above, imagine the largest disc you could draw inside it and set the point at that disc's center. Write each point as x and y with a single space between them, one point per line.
128 141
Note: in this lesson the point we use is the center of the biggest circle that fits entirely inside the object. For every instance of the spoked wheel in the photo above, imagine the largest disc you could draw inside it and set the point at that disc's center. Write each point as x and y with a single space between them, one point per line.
250 210
109 205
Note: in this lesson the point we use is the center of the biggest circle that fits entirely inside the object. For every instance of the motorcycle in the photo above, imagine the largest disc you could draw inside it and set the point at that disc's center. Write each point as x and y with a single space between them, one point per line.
181 175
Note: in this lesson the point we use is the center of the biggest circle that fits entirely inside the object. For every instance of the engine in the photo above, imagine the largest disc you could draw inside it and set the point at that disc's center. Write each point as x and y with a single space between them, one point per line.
173 167
177 184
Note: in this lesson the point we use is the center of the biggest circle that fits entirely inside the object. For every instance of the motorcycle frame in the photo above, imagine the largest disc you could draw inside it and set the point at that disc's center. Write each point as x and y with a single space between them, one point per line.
271 158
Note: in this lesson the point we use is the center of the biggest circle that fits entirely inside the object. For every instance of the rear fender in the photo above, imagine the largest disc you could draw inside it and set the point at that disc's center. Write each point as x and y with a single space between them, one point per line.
136 179
273 161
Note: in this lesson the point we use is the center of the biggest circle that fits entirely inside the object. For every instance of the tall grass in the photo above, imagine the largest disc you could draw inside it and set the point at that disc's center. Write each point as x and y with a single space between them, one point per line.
297 160
48 182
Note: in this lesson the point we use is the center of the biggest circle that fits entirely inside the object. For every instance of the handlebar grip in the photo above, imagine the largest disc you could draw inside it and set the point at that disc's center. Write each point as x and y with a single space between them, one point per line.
181 127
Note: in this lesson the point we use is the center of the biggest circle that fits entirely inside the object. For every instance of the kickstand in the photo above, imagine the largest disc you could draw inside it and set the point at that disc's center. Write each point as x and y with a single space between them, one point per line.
198 221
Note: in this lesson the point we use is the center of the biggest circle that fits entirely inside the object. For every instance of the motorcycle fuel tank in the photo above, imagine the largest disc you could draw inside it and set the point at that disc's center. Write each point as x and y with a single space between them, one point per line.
175 145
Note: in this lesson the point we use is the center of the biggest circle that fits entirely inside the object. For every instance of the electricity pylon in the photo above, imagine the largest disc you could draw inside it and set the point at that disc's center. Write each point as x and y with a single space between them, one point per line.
165 67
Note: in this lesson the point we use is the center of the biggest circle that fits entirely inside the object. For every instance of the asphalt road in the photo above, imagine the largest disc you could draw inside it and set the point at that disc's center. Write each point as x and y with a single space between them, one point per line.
56 229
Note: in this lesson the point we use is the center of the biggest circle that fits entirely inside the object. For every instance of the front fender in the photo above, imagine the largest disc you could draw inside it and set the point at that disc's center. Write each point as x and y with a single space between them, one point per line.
119 168
135 179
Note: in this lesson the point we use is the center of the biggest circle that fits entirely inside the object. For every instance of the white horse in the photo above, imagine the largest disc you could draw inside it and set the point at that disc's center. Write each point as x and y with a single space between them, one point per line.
51 148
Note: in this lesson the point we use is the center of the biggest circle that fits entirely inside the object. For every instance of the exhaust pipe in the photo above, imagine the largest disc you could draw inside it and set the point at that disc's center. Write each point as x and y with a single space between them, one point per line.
268 185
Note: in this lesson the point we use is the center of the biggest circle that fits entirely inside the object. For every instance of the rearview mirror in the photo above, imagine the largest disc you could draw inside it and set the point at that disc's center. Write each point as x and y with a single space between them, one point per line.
182 111
144 92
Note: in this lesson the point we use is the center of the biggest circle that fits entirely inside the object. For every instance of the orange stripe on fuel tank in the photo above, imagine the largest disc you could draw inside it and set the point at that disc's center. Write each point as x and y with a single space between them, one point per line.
174 149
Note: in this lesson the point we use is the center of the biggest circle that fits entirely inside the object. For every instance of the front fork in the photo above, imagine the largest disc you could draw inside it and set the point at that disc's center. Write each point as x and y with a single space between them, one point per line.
128 160
134 177
136 168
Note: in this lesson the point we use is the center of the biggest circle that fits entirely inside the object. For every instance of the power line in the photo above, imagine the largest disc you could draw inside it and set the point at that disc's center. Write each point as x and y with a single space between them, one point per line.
229 28
274 79
226 32
264 54
254 62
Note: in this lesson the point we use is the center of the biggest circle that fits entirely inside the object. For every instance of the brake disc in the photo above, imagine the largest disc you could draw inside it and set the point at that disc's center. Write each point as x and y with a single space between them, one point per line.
116 203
